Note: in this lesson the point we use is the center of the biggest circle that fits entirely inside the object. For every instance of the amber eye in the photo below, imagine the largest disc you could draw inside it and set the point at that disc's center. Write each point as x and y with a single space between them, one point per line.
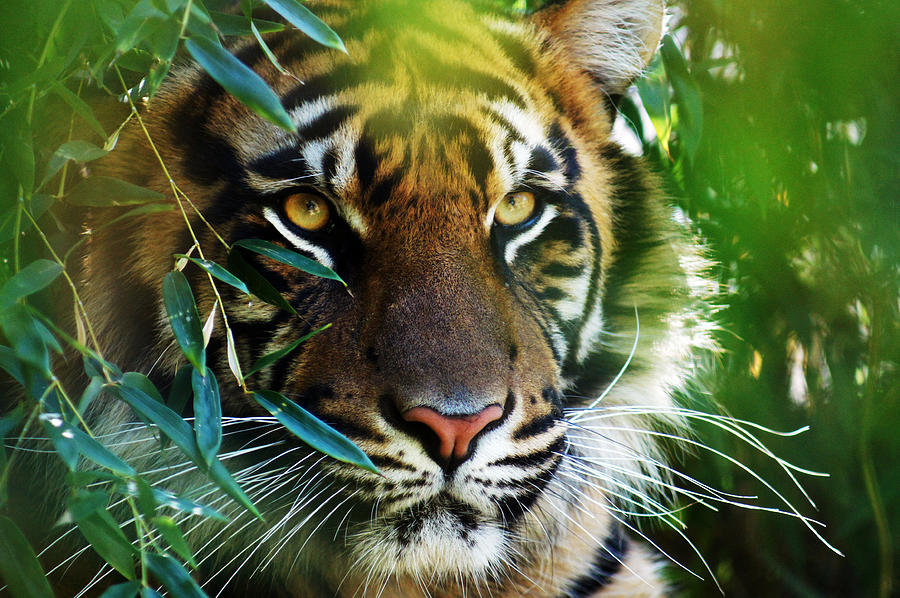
515 208
307 211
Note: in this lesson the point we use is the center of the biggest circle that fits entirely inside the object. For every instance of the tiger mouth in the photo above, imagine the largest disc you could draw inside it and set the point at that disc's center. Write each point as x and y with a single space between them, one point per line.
441 511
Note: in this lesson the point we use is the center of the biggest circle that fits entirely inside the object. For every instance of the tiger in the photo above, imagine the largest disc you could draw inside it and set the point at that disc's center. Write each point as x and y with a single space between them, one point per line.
520 302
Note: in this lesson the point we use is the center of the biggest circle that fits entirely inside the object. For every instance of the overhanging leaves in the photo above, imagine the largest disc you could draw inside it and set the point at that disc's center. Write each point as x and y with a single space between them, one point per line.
184 319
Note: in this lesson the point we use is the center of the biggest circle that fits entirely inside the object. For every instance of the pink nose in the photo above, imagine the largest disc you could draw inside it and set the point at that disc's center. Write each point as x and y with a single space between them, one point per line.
455 432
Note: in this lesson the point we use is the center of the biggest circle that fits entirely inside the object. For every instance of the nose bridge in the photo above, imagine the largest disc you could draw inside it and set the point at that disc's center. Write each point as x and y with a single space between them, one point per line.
441 340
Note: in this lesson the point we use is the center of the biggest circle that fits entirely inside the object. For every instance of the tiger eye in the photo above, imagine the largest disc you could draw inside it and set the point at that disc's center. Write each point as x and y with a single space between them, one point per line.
515 208
307 211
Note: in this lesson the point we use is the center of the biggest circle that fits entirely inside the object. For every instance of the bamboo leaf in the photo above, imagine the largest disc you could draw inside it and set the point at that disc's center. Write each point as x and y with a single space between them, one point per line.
101 530
256 282
30 279
185 505
103 191
311 430
207 414
233 363
19 566
239 80
170 531
129 589
267 360
218 272
238 25
184 319
209 325
300 17
290 258
173 576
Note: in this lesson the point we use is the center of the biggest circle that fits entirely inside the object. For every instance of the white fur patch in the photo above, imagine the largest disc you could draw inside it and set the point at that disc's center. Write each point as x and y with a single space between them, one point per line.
320 254
528 235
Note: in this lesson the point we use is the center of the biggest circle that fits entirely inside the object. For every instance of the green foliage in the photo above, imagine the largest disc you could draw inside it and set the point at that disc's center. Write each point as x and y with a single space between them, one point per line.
121 48
774 126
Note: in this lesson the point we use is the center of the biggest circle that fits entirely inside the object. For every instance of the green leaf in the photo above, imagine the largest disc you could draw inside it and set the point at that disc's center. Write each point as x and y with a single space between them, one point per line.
240 80
103 191
104 535
129 589
63 443
91 392
70 442
27 340
19 566
183 318
39 204
146 499
267 360
139 380
30 279
218 271
256 282
687 96
300 17
77 150
181 391
290 258
176 429
173 576
80 107
185 505
169 530
148 592
10 364
311 430
238 25
207 414
10 420
143 20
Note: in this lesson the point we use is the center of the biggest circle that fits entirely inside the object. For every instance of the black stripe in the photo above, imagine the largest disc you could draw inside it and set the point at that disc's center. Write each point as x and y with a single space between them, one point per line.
518 52
327 123
607 562
542 160
283 164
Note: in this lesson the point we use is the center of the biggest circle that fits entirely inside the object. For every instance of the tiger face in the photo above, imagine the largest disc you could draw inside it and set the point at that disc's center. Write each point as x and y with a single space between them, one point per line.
505 261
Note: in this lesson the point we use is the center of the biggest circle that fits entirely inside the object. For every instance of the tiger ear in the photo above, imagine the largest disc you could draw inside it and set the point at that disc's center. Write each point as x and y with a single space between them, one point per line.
612 40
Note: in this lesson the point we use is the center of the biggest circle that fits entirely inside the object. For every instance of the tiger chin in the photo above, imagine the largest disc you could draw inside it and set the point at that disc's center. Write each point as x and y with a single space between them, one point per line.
521 302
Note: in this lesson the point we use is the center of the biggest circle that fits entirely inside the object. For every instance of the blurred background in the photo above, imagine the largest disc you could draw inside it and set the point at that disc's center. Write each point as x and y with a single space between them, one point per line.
775 125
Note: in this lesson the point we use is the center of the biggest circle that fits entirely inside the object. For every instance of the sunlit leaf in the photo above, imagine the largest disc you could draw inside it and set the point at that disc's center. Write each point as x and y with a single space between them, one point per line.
185 505
687 96
209 325
239 80
267 360
19 567
183 318
173 577
170 531
300 17
30 279
217 271
103 191
311 430
289 257
207 414
233 363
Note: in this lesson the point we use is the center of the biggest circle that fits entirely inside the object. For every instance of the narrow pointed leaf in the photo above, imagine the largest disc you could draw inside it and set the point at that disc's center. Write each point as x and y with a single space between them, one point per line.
173 577
181 391
239 80
80 107
103 191
19 567
183 317
290 258
185 505
104 535
311 430
175 428
91 392
209 325
218 272
65 447
256 282
233 363
238 25
129 589
207 414
30 279
267 360
170 531
300 17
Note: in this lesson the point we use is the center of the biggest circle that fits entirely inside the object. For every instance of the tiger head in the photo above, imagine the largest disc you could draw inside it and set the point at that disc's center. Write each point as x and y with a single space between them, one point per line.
507 264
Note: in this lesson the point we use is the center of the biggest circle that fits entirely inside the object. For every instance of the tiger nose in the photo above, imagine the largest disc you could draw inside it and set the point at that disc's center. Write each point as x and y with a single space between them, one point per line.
454 432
